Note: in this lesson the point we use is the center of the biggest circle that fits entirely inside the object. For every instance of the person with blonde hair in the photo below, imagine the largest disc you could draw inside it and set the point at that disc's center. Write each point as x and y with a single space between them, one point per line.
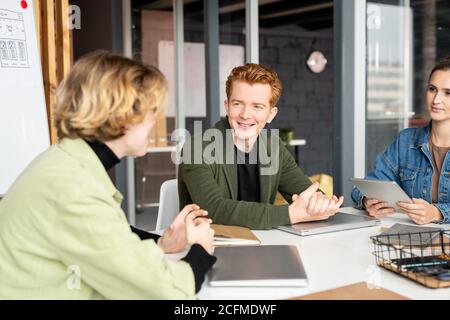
63 234
242 192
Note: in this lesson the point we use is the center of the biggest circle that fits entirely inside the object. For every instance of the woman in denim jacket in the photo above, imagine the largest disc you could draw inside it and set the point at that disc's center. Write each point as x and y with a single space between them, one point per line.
418 160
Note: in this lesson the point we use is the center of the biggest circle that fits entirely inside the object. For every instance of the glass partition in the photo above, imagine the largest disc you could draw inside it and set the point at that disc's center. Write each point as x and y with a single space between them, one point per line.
404 41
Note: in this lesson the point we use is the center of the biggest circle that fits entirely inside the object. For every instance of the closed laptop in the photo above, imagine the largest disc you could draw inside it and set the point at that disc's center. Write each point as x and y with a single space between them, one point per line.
339 222
258 266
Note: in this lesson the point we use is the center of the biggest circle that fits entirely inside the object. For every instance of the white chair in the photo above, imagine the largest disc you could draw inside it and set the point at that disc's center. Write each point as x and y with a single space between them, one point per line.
168 204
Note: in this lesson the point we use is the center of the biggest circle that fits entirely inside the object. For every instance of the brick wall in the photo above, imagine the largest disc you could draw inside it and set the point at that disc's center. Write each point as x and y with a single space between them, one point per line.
306 105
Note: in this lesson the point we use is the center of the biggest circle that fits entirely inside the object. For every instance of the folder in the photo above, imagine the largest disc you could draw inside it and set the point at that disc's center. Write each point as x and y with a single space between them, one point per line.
233 236
407 235
358 291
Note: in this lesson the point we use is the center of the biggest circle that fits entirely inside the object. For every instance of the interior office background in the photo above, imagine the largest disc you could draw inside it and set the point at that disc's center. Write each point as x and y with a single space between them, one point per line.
402 41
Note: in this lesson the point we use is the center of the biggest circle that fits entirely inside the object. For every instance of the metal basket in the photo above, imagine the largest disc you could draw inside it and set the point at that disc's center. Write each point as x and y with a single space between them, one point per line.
423 257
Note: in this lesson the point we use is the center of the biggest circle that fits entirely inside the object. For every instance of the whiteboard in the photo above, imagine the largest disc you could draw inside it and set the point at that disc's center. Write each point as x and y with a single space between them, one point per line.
194 103
23 116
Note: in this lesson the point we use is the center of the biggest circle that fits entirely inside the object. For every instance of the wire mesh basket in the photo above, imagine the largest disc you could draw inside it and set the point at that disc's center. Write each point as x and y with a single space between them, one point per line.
423 257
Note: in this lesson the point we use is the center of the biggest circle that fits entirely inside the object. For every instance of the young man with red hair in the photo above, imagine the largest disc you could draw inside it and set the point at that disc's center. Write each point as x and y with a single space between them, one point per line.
242 192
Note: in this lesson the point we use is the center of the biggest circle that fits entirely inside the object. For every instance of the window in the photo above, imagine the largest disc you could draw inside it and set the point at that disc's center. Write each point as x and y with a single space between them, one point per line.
404 41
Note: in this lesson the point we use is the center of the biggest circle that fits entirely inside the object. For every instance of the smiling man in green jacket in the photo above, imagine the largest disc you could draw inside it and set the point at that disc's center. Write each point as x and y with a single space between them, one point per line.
235 169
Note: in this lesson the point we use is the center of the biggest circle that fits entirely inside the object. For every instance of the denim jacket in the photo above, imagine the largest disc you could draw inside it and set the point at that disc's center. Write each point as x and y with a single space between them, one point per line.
408 162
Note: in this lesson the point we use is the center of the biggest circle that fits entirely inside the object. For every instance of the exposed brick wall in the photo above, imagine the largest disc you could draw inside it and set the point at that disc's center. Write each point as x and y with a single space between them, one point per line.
306 105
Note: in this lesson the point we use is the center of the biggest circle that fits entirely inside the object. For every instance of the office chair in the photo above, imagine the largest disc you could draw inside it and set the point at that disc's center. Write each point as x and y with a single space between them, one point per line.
168 204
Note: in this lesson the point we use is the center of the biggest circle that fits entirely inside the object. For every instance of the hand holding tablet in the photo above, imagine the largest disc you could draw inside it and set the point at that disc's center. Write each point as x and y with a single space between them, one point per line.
382 196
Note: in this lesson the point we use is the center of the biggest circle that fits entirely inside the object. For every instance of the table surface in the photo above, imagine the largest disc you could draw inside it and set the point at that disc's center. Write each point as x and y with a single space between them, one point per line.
332 260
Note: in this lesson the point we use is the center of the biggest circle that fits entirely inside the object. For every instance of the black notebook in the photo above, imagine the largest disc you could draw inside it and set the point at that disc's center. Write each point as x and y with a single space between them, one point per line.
258 266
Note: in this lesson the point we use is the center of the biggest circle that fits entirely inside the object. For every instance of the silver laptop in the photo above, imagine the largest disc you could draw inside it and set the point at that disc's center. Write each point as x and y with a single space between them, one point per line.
258 266
339 222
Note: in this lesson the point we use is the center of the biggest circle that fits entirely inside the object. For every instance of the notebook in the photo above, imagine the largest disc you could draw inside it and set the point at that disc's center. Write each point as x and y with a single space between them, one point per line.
233 236
258 266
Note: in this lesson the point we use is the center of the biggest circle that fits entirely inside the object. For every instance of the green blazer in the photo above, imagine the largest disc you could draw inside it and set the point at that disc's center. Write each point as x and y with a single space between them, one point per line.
63 235
213 185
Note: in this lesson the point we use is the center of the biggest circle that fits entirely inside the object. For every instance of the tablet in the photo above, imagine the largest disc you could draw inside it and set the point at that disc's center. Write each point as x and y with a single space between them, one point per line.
386 191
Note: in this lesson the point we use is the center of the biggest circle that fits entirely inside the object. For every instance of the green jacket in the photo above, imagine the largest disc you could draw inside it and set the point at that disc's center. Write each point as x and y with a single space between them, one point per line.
63 235
214 186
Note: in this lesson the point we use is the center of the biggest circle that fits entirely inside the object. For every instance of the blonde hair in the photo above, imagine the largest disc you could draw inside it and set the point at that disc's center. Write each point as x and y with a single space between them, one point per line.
104 93
255 73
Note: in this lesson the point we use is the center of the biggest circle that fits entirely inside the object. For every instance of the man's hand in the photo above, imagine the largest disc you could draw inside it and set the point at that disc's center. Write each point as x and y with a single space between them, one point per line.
376 208
420 211
312 205
174 238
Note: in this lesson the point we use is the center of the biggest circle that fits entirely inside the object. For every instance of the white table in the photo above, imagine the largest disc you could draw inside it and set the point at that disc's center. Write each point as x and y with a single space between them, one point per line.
297 142
332 260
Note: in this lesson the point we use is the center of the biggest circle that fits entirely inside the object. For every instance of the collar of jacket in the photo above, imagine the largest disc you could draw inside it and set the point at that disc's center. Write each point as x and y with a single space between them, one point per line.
80 150
421 137
230 170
